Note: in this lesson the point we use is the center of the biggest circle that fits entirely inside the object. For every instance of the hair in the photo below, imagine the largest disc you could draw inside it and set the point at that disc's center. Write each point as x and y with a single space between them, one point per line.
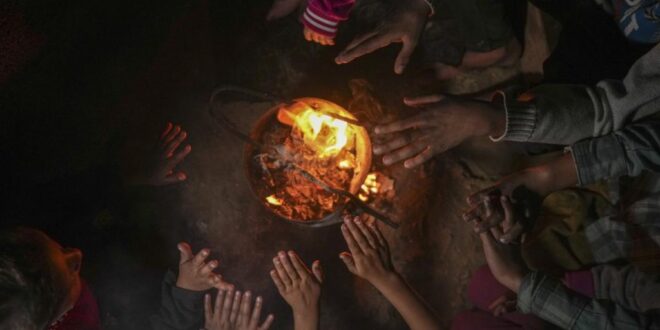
31 291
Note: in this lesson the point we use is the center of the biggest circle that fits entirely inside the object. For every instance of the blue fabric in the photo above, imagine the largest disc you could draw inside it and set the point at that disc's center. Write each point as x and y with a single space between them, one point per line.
639 20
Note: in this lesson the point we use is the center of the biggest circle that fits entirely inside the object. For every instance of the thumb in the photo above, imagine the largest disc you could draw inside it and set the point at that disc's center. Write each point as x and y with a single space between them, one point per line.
404 56
317 271
423 100
347 258
186 252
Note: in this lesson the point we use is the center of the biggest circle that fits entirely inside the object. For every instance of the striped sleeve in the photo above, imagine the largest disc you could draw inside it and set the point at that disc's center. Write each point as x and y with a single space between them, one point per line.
324 16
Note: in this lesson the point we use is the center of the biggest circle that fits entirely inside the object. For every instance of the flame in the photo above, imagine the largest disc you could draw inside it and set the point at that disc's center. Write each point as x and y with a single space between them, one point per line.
325 134
345 164
369 187
272 199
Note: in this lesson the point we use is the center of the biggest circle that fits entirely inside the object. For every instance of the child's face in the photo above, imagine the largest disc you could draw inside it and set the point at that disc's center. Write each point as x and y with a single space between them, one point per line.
66 262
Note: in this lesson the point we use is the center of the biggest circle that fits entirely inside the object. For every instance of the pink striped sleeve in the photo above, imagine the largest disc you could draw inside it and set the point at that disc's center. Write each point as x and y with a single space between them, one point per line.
323 16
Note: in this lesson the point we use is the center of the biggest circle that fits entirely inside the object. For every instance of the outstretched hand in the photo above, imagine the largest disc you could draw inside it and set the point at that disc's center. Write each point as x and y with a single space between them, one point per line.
369 256
167 155
299 286
405 26
234 311
442 123
195 273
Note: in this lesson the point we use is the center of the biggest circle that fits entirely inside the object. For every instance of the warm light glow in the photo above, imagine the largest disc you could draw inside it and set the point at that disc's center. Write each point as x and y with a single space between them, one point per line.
272 199
325 134
370 186
344 164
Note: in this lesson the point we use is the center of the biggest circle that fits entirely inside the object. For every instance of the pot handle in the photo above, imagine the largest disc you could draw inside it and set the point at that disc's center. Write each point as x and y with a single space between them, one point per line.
246 94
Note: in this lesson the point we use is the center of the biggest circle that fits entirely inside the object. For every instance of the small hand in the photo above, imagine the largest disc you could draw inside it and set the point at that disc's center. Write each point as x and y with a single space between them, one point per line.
406 26
195 274
166 157
369 256
445 122
300 287
233 311
318 38
502 305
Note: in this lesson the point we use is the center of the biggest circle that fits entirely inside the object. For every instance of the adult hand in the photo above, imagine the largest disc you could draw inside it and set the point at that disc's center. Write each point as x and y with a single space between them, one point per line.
167 155
405 26
443 123
369 256
299 286
195 273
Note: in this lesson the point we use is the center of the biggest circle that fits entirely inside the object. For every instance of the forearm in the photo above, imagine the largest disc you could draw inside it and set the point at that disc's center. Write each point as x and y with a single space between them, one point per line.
307 319
411 307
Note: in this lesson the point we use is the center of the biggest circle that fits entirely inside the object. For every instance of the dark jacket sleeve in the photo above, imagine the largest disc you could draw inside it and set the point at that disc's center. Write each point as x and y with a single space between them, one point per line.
180 309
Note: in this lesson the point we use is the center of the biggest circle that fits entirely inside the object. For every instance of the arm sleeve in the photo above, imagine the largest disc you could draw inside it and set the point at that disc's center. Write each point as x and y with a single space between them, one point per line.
627 286
549 299
323 16
565 114
625 152
180 309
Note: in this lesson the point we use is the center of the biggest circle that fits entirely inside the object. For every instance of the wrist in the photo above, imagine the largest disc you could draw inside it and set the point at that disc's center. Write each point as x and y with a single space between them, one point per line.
490 121
306 317
387 280
560 173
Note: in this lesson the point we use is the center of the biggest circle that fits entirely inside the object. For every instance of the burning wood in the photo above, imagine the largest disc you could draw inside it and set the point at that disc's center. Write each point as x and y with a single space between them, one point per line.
307 138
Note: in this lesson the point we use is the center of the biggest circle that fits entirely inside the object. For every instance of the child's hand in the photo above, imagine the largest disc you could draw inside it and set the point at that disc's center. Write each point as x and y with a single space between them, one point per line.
502 305
195 274
300 287
235 312
369 256
167 155
318 38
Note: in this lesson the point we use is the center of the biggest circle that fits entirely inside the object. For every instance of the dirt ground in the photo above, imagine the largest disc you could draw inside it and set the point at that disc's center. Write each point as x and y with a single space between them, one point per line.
434 249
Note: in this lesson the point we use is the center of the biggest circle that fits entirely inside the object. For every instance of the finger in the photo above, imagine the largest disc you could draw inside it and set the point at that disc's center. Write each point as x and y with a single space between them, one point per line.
281 272
404 55
221 284
421 158
167 129
308 34
474 213
174 178
298 265
478 197
246 306
315 37
371 238
350 241
269 321
219 304
340 59
256 312
496 232
358 236
207 307
317 270
367 46
508 213
172 146
423 100
235 307
286 262
171 135
208 268
501 299
348 260
173 161
419 120
379 235
399 140
185 252
405 153
278 282
514 233
226 306
198 260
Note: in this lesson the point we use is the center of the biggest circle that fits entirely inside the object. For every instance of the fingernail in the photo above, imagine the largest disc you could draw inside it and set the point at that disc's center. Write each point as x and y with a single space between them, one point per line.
387 160
291 253
281 254
181 176
407 164
205 252
248 293
259 299
377 130
377 150
357 220
276 260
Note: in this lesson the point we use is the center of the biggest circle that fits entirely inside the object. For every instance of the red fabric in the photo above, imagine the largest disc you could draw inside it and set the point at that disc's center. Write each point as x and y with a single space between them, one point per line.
323 16
581 282
83 316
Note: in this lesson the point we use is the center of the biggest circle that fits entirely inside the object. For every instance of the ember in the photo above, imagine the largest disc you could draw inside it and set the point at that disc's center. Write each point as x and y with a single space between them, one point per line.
313 137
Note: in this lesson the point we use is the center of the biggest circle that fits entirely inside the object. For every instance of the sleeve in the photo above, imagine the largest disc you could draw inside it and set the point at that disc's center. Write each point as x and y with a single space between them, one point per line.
180 309
549 299
625 152
565 114
627 286
324 16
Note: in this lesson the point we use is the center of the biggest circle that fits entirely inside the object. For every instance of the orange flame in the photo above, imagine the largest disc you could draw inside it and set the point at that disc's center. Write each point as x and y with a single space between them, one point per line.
369 187
272 199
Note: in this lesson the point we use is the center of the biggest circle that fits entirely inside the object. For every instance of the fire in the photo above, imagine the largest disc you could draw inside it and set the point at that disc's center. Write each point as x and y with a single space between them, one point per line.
325 134
272 199
370 186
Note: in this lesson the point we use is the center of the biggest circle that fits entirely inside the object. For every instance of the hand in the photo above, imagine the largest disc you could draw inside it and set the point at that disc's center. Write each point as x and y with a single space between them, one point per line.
445 123
369 256
195 274
231 311
504 260
318 38
300 287
165 158
405 26
502 305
